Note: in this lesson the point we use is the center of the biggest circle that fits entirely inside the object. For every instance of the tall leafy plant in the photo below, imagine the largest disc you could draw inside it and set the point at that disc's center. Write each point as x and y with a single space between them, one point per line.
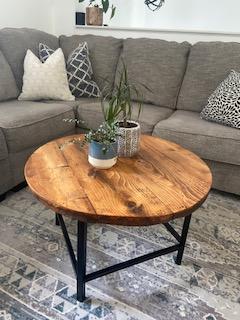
105 6
119 102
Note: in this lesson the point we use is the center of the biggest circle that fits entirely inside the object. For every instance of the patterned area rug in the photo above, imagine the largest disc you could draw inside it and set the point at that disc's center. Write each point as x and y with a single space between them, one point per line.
37 281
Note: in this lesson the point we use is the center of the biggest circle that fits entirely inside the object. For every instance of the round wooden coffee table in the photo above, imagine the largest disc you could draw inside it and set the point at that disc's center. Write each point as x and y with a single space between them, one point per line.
163 182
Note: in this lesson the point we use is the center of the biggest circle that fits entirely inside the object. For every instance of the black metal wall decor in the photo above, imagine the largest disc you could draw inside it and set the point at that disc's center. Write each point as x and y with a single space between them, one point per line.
154 4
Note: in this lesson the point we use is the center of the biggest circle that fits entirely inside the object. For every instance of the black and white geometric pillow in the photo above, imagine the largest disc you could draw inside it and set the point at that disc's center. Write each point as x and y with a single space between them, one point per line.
224 103
44 52
79 70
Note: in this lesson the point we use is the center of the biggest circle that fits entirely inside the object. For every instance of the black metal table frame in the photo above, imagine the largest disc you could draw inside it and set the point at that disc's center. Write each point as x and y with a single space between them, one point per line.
79 261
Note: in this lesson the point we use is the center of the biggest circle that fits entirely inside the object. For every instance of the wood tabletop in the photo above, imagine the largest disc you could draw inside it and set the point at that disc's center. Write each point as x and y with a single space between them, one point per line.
163 182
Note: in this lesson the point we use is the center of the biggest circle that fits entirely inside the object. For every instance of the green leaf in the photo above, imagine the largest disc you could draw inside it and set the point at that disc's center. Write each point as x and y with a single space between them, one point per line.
113 12
81 1
105 5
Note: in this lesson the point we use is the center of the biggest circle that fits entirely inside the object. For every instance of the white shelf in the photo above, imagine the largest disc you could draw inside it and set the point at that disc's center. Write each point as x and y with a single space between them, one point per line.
157 30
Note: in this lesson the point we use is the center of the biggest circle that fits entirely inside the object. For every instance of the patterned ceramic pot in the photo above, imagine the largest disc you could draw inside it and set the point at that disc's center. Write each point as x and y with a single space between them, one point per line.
100 159
129 140
94 16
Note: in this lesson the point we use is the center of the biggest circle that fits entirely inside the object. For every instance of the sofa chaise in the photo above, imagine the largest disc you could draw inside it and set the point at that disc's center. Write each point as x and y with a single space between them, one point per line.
180 77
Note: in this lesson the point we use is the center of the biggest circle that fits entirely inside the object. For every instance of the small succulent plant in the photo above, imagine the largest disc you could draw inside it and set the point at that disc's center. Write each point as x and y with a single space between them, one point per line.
106 134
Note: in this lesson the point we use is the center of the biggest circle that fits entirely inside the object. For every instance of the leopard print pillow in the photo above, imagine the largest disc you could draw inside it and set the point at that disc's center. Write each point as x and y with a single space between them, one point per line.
224 103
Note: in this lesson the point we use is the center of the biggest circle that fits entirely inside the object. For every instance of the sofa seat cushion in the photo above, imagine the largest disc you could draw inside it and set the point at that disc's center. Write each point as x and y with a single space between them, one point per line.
103 52
14 43
156 67
26 124
209 140
209 64
91 114
82 101
74 104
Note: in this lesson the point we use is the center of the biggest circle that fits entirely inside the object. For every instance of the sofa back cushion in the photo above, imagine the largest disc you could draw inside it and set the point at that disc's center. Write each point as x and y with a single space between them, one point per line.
8 86
104 55
156 67
15 42
208 65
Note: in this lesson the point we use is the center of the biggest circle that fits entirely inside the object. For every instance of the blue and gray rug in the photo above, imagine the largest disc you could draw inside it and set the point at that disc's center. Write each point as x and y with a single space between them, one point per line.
37 280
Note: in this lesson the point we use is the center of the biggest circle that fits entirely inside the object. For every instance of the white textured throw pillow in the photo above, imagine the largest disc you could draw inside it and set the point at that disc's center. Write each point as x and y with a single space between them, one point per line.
45 80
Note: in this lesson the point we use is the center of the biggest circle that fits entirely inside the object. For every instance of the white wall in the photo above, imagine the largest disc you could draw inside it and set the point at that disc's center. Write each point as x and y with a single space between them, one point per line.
205 15
27 13
191 20
177 20
64 17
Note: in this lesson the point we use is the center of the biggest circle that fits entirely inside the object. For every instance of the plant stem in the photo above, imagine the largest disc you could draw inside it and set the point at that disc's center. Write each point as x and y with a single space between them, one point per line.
124 118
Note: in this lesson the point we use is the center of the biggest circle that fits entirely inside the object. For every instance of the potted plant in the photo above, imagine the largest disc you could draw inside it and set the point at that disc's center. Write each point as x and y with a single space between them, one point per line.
102 142
120 103
118 135
94 12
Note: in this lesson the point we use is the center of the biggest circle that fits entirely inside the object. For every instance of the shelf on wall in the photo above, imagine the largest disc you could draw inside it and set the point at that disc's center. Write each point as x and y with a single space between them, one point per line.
157 30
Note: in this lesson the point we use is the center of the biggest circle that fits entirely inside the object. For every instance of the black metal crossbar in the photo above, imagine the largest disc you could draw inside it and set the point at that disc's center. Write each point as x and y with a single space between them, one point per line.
130 263
172 231
79 262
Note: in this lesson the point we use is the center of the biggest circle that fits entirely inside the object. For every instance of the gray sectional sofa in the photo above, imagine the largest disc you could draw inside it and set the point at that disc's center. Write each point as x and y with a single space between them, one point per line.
181 77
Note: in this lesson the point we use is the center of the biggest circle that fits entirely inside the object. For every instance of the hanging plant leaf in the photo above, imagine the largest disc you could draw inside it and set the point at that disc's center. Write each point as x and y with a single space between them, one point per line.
113 11
105 5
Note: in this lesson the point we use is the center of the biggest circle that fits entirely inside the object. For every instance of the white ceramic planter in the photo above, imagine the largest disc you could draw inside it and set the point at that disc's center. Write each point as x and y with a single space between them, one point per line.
129 140
102 164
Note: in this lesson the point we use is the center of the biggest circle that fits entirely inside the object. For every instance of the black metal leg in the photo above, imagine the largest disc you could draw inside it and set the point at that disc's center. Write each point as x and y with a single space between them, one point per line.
56 220
81 260
68 242
183 239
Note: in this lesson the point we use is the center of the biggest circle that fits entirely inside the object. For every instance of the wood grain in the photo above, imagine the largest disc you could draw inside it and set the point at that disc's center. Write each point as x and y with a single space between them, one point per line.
163 182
